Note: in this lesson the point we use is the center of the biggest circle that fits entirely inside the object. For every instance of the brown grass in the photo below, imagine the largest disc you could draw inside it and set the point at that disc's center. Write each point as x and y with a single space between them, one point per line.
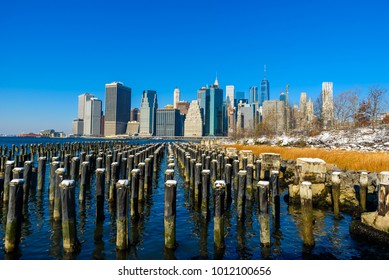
348 160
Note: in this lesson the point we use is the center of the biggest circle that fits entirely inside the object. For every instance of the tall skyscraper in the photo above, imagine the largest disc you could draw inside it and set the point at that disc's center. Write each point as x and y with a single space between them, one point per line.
168 122
148 111
176 97
215 110
230 93
134 115
117 108
193 123
265 89
92 121
78 124
253 94
203 98
327 105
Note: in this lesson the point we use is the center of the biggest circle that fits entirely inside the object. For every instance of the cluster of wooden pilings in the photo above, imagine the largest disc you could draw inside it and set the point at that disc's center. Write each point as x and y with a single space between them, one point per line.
126 170
215 179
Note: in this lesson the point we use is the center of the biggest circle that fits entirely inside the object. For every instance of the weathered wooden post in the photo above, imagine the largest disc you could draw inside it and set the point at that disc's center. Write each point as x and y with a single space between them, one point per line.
99 162
363 183
69 226
213 171
169 174
244 163
123 168
264 218
27 179
122 191
306 213
53 167
100 190
187 169
41 173
57 212
249 181
258 170
108 163
205 193
85 180
17 173
14 215
241 200
9 166
335 178
147 176
275 186
197 184
207 163
134 194
114 179
228 181
75 168
66 163
218 219
141 195
130 165
235 171
170 214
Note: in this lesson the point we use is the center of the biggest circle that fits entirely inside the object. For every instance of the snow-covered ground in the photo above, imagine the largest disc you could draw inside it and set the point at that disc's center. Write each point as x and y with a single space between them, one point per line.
357 139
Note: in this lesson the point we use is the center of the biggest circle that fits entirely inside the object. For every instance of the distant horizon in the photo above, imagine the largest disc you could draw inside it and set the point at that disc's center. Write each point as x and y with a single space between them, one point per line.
55 51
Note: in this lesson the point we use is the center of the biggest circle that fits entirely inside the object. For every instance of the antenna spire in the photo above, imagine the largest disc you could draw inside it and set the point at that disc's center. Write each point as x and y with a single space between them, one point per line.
264 72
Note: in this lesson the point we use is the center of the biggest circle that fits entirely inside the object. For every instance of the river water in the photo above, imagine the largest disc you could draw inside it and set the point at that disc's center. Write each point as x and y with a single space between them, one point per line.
42 238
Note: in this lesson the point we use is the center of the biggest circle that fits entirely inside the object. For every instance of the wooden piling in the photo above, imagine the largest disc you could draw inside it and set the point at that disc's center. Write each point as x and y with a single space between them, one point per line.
306 213
41 173
100 190
228 181
363 183
241 199
53 167
134 194
249 181
197 184
85 180
57 212
170 213
9 166
264 218
75 168
122 193
169 174
14 215
258 170
114 179
69 226
335 178
218 219
141 195
205 193
27 174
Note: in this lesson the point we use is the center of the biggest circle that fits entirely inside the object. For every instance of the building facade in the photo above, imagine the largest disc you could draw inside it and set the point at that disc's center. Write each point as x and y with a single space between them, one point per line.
230 94
183 107
135 115
117 108
253 94
176 97
193 122
148 112
92 121
273 116
168 122
327 105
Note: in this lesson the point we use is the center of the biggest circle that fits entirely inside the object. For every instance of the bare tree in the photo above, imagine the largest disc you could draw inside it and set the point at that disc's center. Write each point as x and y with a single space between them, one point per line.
318 112
345 107
376 100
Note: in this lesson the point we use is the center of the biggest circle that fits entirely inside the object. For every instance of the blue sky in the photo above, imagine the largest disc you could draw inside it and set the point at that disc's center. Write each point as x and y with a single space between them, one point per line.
53 51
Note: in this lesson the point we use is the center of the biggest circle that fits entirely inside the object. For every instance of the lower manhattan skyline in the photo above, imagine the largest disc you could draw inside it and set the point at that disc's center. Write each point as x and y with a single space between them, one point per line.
53 52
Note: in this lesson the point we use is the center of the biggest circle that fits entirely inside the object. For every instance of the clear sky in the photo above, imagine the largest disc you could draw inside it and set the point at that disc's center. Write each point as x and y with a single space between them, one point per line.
53 51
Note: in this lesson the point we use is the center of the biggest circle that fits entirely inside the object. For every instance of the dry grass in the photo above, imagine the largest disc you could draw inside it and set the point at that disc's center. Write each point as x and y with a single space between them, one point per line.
348 160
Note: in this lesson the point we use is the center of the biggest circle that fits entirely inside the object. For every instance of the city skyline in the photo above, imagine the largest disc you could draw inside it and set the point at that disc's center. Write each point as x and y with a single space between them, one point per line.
54 52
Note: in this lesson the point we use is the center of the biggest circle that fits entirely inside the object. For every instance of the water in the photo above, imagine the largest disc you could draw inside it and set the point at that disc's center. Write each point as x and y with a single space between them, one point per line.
42 238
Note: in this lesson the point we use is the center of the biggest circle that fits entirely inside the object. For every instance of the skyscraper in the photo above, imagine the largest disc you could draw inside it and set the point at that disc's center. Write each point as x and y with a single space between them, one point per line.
265 89
148 111
176 97
203 98
117 108
193 122
215 110
92 121
253 94
168 122
327 105
78 124
230 93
